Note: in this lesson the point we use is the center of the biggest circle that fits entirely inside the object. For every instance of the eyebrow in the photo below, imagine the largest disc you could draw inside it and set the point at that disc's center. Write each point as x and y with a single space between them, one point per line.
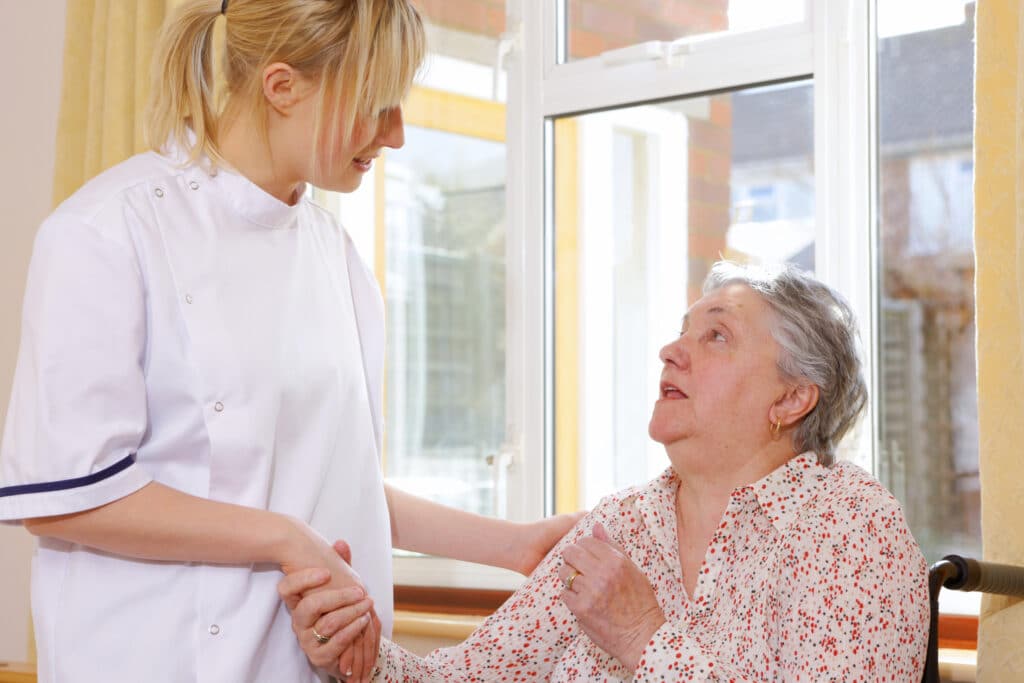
710 311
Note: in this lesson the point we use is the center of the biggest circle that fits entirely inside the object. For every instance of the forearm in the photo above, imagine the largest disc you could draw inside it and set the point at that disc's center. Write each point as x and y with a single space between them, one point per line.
422 526
161 523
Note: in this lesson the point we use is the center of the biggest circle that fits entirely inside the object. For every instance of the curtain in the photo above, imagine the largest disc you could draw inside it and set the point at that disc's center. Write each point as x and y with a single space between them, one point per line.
107 48
999 244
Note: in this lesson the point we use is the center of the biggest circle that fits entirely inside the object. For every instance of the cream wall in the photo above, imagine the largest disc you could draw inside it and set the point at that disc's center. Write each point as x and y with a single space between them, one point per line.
31 49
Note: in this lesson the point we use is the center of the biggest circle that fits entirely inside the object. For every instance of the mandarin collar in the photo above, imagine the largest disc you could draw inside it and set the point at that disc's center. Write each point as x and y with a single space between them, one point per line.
253 202
244 196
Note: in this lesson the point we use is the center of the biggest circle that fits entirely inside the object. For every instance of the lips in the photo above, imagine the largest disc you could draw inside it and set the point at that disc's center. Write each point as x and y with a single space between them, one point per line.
671 392
363 164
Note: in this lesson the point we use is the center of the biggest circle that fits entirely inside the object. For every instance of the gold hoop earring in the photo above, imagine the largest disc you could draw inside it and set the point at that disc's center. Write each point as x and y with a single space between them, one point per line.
776 428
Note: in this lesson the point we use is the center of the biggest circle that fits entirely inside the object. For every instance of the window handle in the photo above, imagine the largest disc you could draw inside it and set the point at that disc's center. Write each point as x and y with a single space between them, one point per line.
500 463
509 42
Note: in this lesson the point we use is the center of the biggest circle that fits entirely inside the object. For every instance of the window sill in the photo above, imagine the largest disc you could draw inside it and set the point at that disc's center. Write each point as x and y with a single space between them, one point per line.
958 666
17 672
436 625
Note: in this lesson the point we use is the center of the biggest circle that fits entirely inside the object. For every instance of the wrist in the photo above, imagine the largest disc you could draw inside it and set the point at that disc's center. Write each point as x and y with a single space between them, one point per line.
289 542
631 658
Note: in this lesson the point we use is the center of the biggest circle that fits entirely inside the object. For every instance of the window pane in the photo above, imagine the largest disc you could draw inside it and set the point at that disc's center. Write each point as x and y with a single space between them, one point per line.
595 26
430 219
929 416
446 316
646 199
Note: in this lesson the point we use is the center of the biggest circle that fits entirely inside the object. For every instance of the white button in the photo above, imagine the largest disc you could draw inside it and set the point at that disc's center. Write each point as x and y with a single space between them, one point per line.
214 629
188 298
218 406
194 185
158 192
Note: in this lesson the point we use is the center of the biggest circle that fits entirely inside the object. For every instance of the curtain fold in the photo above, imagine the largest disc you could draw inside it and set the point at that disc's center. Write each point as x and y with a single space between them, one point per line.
999 248
107 49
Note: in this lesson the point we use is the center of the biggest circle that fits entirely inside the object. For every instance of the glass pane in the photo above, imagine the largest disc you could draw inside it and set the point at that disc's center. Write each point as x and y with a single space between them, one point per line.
646 199
595 26
446 316
430 219
929 416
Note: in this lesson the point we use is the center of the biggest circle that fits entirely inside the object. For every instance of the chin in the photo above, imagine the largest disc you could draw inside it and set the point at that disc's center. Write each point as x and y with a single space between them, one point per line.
661 432
343 185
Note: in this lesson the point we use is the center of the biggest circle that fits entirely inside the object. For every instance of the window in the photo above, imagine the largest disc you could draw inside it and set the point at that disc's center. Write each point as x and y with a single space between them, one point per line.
648 197
597 26
928 455
571 170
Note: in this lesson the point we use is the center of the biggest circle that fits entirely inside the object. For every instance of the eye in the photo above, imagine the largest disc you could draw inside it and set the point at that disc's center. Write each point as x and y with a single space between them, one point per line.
716 335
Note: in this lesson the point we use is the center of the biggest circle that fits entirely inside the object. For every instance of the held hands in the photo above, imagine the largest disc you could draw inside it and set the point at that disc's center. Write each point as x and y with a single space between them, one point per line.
610 597
330 601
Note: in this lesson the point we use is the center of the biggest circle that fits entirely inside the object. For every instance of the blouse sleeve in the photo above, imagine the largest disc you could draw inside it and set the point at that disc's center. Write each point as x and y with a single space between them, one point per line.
522 641
78 404
859 612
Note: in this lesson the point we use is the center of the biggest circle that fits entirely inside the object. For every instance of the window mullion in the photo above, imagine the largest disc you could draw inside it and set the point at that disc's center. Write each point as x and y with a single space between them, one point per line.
844 143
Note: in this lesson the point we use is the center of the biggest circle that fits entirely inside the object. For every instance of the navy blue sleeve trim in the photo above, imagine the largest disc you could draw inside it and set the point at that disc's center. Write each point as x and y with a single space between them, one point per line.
75 483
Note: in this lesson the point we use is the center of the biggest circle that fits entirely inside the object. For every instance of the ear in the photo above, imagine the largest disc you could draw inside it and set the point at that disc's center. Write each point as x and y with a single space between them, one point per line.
282 86
796 402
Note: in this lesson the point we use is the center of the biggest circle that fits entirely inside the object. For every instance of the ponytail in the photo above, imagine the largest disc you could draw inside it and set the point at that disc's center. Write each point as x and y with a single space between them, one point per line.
181 102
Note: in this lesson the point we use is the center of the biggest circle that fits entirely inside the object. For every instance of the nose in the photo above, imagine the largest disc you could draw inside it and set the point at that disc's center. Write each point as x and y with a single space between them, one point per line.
391 130
675 353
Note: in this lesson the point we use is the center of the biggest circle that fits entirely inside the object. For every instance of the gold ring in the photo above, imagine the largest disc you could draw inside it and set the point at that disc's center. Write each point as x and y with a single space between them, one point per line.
568 582
323 640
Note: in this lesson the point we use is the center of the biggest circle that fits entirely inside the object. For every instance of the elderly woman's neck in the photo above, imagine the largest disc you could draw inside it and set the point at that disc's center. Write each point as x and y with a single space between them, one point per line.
708 479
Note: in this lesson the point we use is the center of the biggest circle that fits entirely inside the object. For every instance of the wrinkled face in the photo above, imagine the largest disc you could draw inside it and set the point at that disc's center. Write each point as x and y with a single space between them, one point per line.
719 378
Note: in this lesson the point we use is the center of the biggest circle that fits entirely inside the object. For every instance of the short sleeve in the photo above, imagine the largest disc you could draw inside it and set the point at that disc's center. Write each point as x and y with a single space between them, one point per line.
77 412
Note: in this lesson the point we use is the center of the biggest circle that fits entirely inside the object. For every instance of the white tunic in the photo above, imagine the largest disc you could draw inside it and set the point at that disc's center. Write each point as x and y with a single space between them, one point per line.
192 330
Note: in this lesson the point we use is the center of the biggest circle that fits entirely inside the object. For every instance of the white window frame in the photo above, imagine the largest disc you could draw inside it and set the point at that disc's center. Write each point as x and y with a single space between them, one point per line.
833 44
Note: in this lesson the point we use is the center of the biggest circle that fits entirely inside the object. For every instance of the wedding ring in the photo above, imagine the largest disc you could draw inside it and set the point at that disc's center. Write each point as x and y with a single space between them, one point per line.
323 640
568 582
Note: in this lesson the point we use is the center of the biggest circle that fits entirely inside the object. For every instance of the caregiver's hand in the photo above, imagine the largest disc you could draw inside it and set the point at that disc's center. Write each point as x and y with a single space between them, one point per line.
344 616
536 539
611 598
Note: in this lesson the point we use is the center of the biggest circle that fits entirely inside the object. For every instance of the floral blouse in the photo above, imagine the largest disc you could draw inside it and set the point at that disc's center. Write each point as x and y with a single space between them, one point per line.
811 576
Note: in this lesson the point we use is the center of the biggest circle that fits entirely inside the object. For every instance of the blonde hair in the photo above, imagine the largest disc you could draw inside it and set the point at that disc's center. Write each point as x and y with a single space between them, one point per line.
363 53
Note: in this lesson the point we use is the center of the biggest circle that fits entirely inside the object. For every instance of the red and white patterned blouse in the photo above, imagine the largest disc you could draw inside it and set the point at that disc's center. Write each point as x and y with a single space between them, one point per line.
811 576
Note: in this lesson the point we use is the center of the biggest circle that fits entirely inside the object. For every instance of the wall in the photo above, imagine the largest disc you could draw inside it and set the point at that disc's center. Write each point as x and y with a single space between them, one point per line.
32 45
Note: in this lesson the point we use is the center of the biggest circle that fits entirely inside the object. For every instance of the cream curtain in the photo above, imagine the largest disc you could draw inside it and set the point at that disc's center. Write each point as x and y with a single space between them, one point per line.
999 240
107 48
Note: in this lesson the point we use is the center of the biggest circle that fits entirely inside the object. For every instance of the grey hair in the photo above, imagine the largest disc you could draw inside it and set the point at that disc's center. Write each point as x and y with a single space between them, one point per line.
817 334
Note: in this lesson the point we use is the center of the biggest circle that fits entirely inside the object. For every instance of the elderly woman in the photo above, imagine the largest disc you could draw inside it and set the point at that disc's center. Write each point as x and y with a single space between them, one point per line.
754 557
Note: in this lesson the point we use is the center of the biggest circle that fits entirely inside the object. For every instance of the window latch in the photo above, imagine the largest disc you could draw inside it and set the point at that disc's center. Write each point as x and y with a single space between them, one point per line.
669 53
509 42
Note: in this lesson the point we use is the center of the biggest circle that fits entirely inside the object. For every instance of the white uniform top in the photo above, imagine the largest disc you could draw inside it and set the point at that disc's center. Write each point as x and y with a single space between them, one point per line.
192 330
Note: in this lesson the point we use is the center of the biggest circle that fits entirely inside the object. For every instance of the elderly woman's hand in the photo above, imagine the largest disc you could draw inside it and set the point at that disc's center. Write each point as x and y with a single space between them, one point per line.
611 598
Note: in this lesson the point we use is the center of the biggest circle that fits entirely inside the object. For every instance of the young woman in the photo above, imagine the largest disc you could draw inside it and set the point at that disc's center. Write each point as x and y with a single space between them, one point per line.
197 400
